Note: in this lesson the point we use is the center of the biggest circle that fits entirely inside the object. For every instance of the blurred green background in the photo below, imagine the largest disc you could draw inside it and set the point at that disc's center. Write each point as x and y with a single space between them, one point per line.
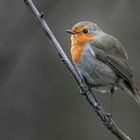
39 99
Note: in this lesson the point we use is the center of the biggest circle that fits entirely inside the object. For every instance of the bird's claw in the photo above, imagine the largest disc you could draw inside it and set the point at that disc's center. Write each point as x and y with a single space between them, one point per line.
109 115
81 92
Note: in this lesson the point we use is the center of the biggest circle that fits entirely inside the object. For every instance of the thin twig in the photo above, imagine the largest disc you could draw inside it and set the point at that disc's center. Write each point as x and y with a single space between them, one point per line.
107 121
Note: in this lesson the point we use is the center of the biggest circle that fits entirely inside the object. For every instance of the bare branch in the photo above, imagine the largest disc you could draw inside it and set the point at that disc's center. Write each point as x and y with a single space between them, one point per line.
107 121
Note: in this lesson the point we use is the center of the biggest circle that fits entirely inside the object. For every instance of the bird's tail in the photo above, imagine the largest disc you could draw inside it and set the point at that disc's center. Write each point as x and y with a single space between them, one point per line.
133 91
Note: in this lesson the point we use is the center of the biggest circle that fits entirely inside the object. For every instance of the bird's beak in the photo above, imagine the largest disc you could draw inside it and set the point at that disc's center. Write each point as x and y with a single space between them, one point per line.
70 32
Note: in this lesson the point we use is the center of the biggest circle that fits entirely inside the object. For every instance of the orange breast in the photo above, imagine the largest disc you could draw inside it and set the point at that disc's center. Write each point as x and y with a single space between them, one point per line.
76 53
77 48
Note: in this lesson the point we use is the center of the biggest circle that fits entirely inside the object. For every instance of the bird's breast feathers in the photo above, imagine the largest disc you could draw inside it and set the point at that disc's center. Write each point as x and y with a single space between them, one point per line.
78 46
95 71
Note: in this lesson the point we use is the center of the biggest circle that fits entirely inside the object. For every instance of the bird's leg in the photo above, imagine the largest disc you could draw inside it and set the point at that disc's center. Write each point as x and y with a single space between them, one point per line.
111 102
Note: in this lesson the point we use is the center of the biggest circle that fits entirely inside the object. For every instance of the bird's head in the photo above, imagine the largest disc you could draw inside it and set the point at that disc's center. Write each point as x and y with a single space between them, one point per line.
84 32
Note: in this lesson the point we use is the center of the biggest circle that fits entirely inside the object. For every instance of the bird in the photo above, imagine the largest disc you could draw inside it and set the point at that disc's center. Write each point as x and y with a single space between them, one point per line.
101 59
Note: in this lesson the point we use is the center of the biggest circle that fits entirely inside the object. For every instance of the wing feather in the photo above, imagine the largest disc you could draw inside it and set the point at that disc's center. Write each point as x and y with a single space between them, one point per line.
119 65
121 68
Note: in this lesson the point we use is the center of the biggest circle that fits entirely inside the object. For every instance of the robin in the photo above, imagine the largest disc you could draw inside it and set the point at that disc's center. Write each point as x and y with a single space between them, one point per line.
101 59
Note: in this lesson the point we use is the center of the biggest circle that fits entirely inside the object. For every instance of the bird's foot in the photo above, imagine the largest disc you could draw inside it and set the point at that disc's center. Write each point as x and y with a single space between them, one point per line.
109 115
81 92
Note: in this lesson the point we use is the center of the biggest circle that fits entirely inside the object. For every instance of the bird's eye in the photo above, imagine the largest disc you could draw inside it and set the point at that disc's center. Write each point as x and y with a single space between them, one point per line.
85 31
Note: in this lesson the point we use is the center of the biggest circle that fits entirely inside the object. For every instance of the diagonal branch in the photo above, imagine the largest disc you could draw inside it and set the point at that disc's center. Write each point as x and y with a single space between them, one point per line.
107 121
